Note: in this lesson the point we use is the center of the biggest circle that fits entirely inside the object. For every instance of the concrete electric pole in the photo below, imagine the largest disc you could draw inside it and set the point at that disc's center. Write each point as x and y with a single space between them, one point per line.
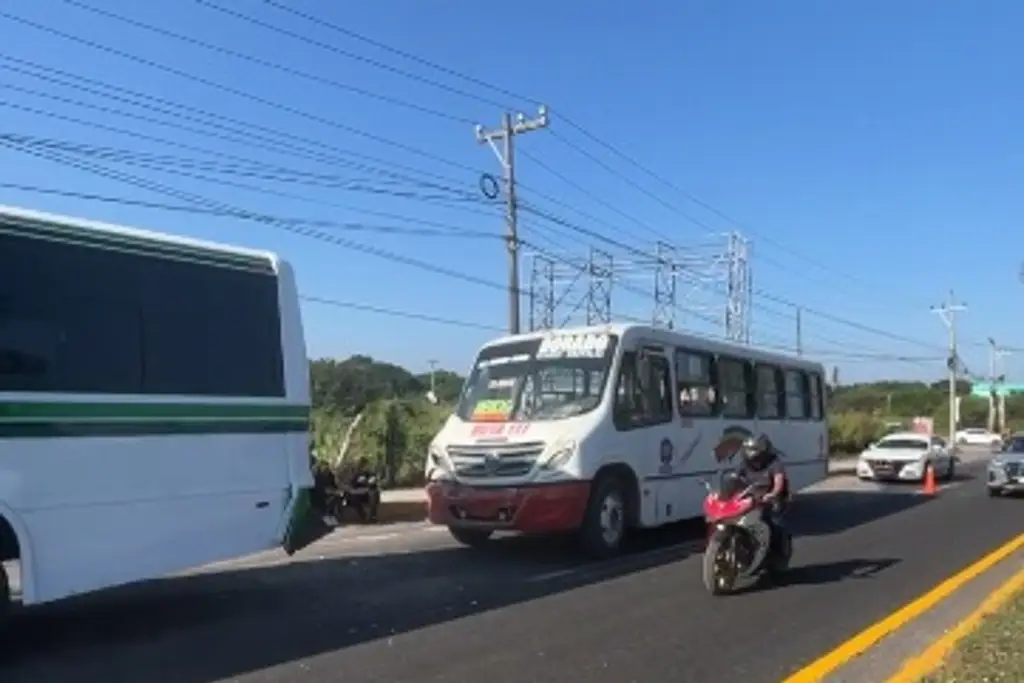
996 397
433 369
947 312
799 332
506 157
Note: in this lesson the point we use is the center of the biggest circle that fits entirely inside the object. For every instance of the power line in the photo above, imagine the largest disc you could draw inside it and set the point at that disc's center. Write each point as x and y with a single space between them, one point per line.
184 208
338 51
264 219
410 315
261 190
243 167
440 68
310 148
624 246
232 90
277 105
173 71
290 223
266 63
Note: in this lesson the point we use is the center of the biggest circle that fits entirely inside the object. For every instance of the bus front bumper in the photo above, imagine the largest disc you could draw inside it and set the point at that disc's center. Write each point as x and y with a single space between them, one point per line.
534 508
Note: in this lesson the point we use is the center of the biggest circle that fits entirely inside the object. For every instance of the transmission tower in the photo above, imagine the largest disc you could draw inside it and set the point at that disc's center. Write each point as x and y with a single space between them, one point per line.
739 291
542 292
665 286
600 275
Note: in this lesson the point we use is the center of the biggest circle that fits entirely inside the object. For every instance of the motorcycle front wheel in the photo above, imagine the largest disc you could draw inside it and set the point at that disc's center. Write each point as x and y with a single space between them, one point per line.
720 567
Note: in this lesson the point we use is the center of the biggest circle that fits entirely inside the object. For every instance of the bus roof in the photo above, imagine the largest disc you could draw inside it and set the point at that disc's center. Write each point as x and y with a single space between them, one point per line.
99 234
667 336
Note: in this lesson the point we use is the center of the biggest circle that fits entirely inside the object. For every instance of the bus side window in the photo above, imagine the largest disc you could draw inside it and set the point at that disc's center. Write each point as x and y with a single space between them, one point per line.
695 383
797 399
769 392
817 406
736 388
628 397
641 402
660 388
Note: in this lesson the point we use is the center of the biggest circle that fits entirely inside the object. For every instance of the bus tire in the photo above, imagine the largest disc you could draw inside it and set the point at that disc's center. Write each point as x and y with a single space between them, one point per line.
472 538
6 598
605 521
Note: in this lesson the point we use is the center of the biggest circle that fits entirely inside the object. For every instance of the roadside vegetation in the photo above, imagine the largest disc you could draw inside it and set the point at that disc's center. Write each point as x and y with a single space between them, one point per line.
398 420
992 653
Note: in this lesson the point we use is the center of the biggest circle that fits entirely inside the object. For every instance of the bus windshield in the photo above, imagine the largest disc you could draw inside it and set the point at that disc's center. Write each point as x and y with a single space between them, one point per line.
551 378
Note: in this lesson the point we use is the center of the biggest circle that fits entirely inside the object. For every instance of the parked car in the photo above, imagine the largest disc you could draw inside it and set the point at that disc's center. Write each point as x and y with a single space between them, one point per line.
904 456
976 436
1006 469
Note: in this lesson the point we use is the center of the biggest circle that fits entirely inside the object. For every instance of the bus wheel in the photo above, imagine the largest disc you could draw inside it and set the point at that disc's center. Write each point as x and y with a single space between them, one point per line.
470 537
6 599
604 524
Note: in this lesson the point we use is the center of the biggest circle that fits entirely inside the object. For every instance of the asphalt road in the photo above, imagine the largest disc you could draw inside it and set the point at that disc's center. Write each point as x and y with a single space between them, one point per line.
405 604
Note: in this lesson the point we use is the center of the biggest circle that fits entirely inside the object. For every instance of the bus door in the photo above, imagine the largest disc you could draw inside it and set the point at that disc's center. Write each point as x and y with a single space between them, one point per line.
645 416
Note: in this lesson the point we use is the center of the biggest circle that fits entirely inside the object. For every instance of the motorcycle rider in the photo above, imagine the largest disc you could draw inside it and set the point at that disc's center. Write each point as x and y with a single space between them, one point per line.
763 470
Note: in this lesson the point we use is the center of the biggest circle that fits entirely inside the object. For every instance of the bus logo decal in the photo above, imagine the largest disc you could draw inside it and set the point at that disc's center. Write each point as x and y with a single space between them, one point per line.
730 441
492 461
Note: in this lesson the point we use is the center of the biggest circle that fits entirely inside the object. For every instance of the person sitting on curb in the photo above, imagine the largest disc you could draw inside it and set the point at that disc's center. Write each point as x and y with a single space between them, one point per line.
363 491
321 494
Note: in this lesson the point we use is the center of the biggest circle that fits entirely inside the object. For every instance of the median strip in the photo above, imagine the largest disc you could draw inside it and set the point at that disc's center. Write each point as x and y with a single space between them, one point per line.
985 646
823 667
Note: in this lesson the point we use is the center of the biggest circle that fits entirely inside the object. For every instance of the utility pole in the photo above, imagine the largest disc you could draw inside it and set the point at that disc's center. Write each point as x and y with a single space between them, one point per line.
433 368
996 397
992 384
947 313
799 333
506 157
1000 354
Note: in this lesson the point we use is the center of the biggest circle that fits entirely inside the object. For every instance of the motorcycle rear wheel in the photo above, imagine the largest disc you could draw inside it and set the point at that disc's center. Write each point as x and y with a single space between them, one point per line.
720 569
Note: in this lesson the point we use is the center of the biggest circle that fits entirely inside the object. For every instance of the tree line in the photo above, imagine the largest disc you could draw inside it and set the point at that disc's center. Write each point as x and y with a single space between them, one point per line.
397 419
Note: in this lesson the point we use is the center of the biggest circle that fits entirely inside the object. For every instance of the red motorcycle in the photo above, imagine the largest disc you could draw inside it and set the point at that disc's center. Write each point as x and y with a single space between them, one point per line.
739 542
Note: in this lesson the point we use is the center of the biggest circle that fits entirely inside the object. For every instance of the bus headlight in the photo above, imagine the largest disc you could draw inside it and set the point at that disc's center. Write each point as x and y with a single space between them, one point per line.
438 464
560 454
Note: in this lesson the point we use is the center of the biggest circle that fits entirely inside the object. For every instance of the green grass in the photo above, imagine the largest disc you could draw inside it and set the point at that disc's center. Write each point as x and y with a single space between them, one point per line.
995 652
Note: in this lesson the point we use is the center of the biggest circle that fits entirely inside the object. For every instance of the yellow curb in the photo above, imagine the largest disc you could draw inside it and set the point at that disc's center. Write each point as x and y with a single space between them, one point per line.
819 669
916 668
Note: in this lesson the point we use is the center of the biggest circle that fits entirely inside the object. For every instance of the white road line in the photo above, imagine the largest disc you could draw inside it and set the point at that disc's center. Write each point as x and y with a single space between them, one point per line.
618 564
539 578
373 537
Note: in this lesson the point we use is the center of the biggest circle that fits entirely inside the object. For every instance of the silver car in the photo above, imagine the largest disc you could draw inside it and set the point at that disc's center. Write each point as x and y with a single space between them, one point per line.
1006 469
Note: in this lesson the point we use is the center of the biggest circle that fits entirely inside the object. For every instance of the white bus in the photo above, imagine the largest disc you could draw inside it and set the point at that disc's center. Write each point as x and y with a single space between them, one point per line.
602 429
154 404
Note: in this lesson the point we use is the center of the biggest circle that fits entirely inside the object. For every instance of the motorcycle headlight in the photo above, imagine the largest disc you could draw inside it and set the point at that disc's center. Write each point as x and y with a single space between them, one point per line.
560 454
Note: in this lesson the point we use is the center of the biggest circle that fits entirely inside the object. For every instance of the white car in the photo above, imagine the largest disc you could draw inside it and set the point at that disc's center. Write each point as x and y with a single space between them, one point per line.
976 436
904 456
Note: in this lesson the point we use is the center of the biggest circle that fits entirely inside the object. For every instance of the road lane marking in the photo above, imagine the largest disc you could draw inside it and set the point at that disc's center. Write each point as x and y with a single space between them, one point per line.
916 668
551 575
817 670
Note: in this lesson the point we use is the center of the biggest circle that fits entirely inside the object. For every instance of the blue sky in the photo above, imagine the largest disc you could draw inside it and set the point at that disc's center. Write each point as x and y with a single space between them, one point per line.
871 152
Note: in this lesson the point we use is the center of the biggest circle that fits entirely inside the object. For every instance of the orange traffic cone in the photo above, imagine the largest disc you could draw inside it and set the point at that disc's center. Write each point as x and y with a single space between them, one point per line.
929 488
